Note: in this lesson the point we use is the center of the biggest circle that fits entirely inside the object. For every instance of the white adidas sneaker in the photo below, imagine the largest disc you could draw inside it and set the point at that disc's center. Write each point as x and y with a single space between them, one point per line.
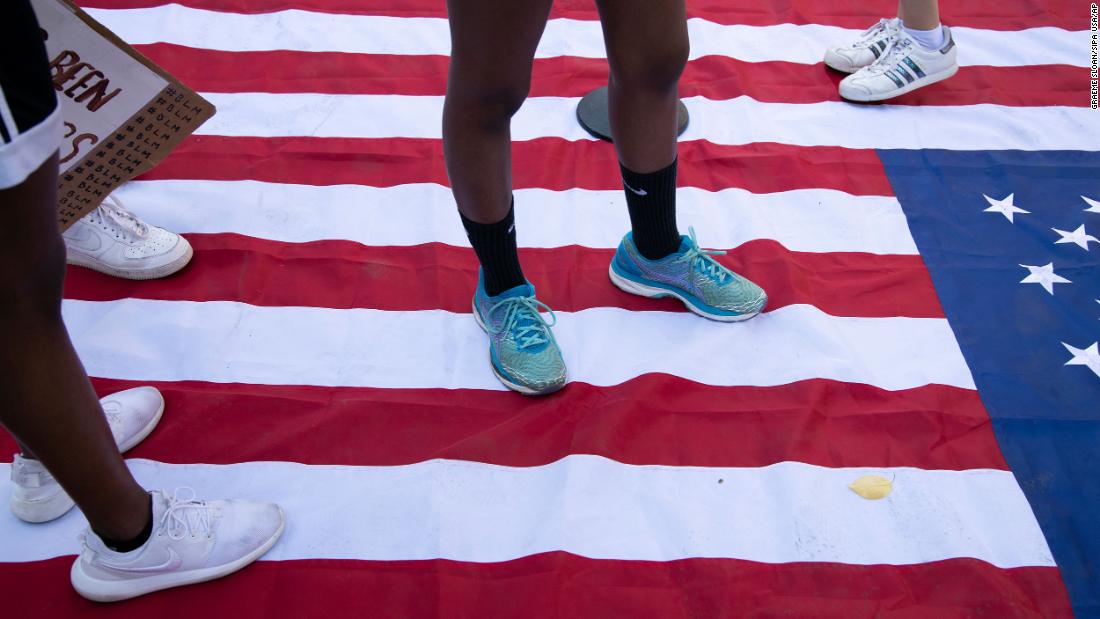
112 240
865 50
37 497
903 67
191 542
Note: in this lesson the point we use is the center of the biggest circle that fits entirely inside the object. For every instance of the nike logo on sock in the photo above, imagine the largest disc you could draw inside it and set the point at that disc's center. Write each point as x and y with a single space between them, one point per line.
640 192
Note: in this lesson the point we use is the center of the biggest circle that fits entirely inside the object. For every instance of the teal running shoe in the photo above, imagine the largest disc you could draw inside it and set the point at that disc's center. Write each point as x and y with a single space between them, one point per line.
691 275
522 349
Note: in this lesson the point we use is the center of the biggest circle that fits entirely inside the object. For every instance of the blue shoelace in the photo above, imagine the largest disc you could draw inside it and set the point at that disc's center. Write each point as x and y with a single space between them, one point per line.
702 260
523 320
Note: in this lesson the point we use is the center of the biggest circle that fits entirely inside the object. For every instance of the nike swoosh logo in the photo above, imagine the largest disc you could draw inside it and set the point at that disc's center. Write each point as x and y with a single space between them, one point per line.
640 192
85 240
170 564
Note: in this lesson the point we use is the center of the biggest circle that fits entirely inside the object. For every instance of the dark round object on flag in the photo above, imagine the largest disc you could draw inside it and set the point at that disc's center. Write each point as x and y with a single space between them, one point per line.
592 114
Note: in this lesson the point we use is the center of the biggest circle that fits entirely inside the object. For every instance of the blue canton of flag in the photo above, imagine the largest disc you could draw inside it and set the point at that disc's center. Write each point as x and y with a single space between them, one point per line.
1011 240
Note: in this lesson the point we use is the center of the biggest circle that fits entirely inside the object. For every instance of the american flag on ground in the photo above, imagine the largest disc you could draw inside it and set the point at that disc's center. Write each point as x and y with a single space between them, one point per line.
319 351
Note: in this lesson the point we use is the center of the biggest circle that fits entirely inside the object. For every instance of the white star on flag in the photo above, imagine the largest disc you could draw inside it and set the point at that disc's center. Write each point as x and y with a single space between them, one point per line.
1088 357
1094 205
1004 207
1044 276
1078 237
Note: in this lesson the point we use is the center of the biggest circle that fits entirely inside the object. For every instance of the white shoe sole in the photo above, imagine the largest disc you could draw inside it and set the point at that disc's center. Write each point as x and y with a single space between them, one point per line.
163 270
861 97
652 292
117 590
507 383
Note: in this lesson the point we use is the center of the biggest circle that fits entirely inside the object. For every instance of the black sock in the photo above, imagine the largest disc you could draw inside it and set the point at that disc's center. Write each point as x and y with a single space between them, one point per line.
128 545
495 245
651 200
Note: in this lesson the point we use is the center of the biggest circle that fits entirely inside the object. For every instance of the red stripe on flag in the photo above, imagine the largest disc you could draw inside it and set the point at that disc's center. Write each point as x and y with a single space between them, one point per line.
652 419
714 77
346 274
548 163
558 584
1004 15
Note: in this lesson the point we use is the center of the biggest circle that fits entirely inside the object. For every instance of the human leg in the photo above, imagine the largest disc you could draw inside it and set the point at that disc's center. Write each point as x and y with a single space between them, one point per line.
46 400
647 50
919 14
493 43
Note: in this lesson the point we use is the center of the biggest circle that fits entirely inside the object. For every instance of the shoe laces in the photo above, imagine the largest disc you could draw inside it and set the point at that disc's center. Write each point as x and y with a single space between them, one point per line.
523 319
702 260
891 56
185 516
872 33
112 211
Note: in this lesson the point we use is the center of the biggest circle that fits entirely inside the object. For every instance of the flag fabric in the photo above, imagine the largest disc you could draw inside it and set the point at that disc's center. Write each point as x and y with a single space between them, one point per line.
320 352
1005 235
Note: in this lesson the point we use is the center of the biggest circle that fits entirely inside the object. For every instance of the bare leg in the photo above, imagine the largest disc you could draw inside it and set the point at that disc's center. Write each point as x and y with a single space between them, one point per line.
919 14
647 49
46 400
492 45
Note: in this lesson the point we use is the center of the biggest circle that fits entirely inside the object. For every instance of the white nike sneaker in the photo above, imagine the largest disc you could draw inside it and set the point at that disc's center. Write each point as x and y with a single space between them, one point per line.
866 50
37 497
192 541
112 240
904 66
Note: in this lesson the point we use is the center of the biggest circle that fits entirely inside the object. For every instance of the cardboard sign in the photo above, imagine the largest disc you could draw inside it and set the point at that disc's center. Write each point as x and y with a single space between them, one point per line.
122 114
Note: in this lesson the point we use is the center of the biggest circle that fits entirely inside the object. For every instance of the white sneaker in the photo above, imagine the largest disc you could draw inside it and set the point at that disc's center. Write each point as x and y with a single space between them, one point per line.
866 50
37 497
132 414
114 241
192 541
904 66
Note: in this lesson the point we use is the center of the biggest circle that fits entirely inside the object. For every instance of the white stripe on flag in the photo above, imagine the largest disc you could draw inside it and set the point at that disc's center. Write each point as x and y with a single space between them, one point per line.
599 508
221 341
809 220
367 34
742 120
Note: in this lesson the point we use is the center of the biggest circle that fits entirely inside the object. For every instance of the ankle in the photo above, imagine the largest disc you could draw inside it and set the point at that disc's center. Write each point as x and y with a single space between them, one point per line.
651 204
495 246
132 530
931 39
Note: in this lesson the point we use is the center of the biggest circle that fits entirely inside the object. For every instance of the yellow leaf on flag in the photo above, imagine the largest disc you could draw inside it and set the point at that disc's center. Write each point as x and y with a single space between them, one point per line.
872 487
